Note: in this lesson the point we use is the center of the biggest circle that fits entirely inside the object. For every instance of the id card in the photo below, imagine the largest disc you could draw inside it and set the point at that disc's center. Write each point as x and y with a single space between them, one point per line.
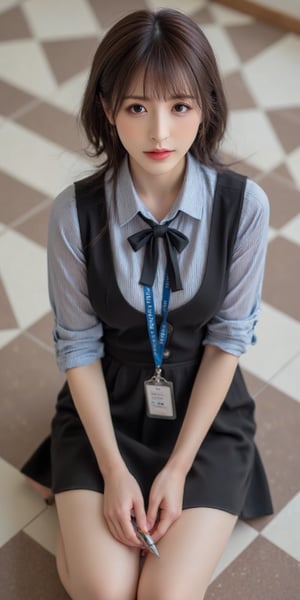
160 400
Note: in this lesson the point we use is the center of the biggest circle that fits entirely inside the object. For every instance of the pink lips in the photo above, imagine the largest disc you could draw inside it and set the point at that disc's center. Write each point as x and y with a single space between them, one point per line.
160 154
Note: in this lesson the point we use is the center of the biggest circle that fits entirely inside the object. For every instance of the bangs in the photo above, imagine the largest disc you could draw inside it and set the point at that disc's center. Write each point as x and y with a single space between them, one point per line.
163 76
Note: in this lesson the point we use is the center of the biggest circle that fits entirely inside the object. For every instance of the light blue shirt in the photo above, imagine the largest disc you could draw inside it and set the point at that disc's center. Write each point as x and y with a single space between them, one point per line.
78 332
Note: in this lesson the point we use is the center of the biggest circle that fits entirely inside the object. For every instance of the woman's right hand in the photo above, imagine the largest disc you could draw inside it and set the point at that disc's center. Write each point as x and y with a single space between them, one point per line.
122 499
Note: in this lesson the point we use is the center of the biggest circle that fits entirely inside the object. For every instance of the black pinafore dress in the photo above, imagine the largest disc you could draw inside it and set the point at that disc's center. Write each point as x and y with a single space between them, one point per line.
227 472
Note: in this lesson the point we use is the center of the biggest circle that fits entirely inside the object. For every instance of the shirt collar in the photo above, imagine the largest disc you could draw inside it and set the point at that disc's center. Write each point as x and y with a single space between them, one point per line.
189 201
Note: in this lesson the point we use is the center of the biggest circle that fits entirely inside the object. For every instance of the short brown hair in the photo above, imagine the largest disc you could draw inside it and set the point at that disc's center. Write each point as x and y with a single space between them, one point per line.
171 51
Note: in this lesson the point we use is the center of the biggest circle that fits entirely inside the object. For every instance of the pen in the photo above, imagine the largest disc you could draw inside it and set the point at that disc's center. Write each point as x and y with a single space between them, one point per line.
145 537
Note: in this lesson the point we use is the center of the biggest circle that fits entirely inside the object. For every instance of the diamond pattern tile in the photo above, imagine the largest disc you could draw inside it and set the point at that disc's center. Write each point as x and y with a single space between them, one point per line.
45 54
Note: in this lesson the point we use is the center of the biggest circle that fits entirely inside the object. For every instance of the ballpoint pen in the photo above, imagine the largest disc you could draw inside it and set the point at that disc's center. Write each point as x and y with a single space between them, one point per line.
145 537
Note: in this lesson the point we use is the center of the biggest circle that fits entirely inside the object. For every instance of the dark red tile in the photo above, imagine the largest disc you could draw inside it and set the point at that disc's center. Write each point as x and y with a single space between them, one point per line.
281 284
28 572
108 13
284 199
251 39
286 123
237 93
53 124
69 57
12 99
42 330
7 316
16 198
36 226
278 426
262 572
13 25
29 385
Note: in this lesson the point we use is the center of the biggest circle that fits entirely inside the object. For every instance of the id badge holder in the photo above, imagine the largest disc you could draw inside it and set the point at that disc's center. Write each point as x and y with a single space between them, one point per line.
160 401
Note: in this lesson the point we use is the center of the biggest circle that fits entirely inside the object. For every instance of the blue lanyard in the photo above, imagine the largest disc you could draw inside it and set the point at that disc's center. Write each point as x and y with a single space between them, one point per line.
157 339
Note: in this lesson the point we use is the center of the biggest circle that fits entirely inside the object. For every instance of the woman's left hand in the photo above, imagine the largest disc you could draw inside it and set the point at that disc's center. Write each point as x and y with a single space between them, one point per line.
165 501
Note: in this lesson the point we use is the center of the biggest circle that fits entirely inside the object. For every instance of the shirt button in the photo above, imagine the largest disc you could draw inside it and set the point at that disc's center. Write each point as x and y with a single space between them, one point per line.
166 353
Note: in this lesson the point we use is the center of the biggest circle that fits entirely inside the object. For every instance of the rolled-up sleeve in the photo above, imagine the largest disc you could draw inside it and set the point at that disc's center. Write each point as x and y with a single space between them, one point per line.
233 327
77 331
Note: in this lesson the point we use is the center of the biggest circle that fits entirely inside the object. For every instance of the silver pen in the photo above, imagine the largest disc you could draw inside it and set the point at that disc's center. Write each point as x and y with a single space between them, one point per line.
145 537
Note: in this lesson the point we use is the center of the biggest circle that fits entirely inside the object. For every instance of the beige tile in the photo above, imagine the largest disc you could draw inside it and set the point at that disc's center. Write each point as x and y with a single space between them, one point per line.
29 385
28 572
69 57
283 197
281 284
18 502
261 572
16 198
250 39
43 529
13 25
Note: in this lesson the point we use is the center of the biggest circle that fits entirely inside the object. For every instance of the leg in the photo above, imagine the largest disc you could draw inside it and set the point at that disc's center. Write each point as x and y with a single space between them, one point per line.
189 553
92 565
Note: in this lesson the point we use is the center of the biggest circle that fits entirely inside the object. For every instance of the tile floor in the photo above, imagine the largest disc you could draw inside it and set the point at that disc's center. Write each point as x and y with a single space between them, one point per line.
45 50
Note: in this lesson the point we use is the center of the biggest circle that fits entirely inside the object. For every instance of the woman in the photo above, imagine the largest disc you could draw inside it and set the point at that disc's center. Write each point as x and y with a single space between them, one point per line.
155 270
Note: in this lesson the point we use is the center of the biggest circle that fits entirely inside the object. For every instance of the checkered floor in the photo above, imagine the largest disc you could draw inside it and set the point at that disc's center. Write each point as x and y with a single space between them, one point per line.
45 50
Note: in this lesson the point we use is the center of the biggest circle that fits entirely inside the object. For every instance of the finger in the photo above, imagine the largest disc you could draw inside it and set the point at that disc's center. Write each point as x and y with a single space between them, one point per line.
152 513
140 516
165 521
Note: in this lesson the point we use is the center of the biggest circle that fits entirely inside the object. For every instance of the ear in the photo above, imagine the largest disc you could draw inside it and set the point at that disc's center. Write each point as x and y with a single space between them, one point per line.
106 109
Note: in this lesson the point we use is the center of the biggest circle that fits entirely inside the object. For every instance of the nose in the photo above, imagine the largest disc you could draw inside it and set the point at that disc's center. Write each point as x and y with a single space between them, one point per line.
159 127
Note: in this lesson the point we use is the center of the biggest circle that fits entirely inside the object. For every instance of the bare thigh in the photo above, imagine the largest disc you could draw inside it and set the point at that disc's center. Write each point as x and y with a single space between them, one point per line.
91 563
189 553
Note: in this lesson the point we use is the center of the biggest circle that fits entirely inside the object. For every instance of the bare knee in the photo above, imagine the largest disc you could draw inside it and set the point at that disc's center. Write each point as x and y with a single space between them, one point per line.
99 590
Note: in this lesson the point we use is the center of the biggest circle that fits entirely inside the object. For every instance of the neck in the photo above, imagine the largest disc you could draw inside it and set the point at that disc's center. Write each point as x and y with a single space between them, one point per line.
158 193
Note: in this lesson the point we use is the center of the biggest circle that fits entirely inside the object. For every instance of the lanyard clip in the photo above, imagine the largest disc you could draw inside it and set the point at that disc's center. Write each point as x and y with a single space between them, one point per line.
157 374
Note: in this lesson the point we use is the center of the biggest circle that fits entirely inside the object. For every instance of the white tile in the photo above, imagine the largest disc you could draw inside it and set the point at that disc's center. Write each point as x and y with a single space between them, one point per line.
288 379
43 529
250 136
7 335
227 16
60 19
23 64
291 231
23 268
188 6
273 76
285 527
272 234
278 342
227 58
293 165
241 537
38 162
19 504
69 96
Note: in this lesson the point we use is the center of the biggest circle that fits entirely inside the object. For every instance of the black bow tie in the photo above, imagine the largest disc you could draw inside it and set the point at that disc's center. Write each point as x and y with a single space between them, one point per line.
175 241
